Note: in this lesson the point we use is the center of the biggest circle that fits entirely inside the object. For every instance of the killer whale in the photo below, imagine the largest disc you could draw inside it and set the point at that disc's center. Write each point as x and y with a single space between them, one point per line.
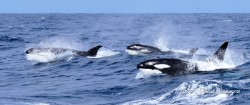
174 66
44 55
139 49
91 52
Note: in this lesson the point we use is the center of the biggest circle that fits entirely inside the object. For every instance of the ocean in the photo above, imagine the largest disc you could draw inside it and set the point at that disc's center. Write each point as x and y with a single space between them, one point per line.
111 77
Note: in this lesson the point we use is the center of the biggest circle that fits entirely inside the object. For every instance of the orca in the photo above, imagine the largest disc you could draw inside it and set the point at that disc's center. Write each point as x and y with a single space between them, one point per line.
174 66
45 55
91 52
139 49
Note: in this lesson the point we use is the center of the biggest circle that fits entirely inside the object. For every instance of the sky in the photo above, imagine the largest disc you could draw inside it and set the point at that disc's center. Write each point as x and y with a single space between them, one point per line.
124 6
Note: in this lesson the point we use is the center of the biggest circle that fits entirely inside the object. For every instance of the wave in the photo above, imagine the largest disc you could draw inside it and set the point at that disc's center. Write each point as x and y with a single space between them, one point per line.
10 39
209 92
18 102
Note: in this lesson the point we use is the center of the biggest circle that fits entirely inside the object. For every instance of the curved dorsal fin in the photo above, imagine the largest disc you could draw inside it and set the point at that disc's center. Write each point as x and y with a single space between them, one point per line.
219 54
93 51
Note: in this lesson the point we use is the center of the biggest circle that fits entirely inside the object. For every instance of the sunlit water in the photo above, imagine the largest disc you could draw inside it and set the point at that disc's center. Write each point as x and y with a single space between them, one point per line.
111 77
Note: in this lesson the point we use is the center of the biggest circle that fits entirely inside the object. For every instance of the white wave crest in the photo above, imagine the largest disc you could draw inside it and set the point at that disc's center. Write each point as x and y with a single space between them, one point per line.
194 92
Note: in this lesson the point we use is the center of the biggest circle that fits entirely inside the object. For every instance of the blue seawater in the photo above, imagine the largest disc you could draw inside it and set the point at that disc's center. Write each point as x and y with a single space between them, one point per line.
112 76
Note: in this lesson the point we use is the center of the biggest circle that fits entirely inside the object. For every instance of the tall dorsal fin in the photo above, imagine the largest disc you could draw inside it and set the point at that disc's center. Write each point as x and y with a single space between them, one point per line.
93 51
219 54
193 51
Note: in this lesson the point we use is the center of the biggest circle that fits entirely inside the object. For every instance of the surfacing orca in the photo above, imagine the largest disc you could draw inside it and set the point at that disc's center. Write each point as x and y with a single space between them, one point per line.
139 49
91 52
44 55
177 66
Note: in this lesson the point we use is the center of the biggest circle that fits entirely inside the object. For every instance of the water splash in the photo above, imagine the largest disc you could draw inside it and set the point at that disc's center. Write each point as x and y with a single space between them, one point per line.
162 42
47 56
231 60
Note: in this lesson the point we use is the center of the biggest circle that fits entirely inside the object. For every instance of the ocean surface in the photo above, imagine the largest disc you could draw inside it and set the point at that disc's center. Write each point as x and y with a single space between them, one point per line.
112 77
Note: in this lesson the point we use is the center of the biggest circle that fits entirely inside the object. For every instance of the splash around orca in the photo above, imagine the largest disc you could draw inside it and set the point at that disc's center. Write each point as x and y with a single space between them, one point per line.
173 66
51 54
139 49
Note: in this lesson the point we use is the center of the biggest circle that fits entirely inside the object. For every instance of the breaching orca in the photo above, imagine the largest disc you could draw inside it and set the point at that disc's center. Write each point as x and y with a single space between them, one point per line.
139 49
177 66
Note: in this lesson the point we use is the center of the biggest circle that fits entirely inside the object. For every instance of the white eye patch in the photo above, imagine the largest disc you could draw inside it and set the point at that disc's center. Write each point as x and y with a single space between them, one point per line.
161 66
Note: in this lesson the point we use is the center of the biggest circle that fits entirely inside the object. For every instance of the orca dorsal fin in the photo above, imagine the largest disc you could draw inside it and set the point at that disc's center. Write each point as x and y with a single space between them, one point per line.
193 51
93 51
219 54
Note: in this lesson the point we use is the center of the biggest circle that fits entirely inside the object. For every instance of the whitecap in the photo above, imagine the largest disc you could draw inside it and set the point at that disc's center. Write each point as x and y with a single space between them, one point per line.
194 92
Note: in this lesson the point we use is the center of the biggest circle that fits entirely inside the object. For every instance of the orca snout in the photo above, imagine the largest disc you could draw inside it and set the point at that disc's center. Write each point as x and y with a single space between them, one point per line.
129 47
28 51
140 65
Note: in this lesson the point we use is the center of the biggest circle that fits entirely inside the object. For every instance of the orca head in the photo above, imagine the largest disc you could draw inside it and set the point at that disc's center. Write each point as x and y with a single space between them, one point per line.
29 51
169 66
153 65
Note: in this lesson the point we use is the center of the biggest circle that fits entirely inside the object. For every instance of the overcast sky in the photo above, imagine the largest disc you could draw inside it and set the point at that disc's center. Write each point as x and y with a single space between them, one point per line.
124 6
